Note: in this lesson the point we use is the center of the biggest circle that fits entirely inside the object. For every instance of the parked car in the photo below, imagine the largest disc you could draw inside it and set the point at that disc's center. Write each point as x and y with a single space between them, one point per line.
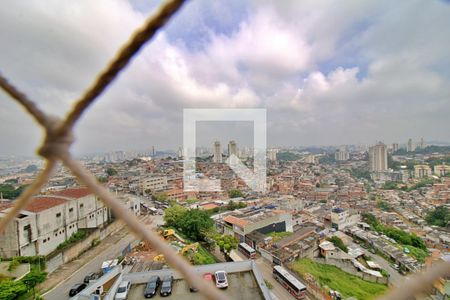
76 289
89 277
152 286
122 290
221 279
166 286
208 277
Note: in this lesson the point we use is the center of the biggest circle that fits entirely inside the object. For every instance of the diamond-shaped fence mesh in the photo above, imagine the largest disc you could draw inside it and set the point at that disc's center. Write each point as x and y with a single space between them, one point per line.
59 137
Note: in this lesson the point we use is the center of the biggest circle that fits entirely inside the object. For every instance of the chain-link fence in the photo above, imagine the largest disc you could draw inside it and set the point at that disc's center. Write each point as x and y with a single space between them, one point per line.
59 137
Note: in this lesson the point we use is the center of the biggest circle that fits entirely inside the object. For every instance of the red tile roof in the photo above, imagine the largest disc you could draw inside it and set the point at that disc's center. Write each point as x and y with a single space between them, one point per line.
79 192
208 206
5 205
39 204
236 221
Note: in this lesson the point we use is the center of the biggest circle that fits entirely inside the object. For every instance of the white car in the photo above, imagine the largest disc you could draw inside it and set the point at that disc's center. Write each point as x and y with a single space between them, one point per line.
122 290
221 279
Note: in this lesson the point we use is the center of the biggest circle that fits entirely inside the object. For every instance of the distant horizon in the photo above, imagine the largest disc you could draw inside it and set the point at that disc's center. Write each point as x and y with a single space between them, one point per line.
175 151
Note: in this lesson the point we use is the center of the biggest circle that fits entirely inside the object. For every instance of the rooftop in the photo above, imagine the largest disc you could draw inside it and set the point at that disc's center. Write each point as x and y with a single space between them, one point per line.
327 246
76 193
244 282
236 221
39 203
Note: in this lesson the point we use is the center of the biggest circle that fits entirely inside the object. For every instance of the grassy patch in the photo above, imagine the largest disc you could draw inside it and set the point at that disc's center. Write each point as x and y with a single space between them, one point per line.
336 279
203 257
276 236
414 252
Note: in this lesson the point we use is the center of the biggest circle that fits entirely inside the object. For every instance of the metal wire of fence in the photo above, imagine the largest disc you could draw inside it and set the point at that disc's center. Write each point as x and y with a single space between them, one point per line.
59 137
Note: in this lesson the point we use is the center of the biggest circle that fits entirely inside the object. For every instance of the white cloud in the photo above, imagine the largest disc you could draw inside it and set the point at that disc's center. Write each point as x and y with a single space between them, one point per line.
328 72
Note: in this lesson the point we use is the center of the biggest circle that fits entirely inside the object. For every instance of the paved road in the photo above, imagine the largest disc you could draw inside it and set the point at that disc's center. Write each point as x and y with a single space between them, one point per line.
60 292
278 291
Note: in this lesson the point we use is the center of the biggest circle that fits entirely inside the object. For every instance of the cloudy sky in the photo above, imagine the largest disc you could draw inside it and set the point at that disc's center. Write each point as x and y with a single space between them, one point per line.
328 72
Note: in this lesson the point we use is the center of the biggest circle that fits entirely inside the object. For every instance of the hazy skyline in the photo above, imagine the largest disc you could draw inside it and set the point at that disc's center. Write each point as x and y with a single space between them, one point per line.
328 72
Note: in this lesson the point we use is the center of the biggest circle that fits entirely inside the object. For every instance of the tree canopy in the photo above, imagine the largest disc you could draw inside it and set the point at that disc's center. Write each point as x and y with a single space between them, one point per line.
161 197
8 191
440 216
226 243
174 214
235 193
111 171
10 290
400 236
194 223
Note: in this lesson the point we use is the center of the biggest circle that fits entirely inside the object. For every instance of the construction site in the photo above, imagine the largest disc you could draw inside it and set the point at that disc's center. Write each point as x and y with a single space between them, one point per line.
143 258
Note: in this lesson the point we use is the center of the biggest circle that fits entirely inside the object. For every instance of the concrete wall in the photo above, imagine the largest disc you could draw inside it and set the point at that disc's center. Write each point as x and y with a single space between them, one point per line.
265 254
8 241
74 251
54 263
51 229
80 247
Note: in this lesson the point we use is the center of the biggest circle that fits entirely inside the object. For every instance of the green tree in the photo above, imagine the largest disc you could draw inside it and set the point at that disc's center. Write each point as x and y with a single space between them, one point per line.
11 290
161 197
226 243
111 171
34 278
13 264
370 219
102 179
361 173
338 243
235 193
174 214
383 205
390 185
288 156
196 223
191 201
233 205
8 191
440 216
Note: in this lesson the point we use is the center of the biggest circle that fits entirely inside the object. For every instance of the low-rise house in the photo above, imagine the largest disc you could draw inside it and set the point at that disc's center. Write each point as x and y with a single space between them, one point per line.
342 218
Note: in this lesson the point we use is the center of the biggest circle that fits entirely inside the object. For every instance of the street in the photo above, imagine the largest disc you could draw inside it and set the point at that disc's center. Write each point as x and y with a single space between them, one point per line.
278 291
61 291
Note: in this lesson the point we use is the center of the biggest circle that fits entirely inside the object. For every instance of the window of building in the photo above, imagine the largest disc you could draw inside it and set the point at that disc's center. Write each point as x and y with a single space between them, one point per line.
58 215
27 232
71 209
